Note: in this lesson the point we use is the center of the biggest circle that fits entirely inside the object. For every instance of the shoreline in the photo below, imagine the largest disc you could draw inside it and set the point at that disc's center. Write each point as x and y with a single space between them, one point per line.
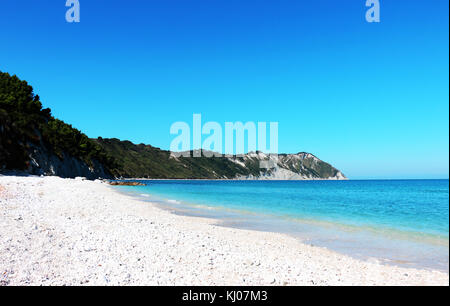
318 179
57 231
305 230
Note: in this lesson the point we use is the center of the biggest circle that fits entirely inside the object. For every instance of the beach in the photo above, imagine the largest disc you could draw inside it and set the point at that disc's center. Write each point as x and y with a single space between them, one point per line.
56 231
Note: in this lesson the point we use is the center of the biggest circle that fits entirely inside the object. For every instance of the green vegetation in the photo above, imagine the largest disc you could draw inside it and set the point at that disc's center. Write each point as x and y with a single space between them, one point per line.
146 161
24 124
29 132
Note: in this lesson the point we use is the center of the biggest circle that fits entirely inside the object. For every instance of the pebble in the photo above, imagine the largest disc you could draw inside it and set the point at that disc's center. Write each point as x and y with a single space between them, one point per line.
79 232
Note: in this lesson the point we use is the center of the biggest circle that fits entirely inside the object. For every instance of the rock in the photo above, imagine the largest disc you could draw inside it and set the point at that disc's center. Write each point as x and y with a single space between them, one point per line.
125 183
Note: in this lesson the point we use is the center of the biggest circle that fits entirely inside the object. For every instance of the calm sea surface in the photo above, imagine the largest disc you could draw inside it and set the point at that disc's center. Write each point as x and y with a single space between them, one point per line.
402 222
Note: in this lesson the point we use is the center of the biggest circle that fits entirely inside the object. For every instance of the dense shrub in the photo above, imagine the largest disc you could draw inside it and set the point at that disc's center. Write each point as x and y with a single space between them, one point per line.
23 121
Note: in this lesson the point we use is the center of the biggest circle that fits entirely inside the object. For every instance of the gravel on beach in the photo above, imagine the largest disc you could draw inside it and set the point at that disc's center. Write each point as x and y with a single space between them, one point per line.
56 231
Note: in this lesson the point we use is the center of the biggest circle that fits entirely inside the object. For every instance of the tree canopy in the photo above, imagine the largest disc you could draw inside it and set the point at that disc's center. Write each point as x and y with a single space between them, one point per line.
23 122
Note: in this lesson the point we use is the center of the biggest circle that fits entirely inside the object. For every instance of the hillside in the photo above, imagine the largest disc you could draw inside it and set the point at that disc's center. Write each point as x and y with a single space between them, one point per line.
145 161
33 141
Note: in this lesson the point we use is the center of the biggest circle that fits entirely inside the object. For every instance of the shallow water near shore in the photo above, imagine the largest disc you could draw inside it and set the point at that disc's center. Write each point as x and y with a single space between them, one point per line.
400 222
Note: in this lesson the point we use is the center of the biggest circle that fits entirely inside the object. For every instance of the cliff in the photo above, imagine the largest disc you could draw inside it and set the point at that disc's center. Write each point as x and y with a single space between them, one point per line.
33 141
145 161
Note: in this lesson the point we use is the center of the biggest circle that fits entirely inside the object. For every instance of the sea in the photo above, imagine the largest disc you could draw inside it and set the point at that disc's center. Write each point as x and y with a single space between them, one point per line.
396 222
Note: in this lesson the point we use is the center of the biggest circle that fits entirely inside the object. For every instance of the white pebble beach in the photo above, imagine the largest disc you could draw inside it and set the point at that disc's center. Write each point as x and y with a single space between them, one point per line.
56 231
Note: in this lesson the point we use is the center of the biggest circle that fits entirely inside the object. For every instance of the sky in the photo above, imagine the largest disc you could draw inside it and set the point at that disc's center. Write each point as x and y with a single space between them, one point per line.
372 99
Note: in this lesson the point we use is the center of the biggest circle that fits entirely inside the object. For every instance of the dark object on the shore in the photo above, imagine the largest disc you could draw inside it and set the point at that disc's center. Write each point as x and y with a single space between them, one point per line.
122 183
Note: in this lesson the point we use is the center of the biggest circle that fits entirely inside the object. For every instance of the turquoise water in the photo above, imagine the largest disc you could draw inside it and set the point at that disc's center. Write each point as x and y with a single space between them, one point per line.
404 222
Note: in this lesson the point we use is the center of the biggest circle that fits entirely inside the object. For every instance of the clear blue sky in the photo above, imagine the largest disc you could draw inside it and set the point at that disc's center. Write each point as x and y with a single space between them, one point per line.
372 99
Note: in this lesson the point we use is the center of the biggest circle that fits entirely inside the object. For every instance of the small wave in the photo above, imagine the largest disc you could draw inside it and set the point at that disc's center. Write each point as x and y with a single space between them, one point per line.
173 201
145 195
